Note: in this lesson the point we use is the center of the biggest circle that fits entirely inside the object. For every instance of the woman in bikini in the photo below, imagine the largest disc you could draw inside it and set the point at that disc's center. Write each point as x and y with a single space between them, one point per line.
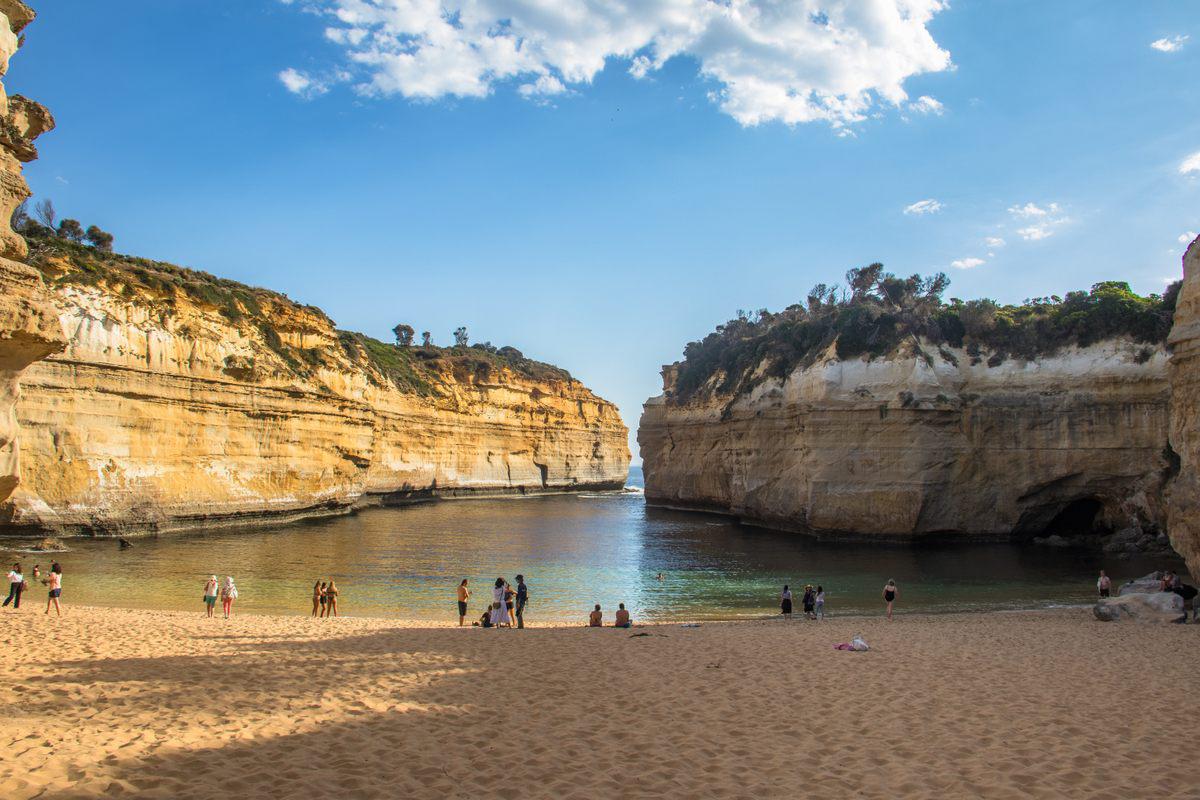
889 595
317 598
331 596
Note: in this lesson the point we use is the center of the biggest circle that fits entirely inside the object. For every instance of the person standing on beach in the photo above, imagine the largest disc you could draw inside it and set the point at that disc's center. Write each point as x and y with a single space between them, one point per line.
810 600
229 593
596 618
463 594
16 585
510 597
522 599
820 603
331 596
317 597
54 582
210 595
1104 585
889 595
785 602
499 614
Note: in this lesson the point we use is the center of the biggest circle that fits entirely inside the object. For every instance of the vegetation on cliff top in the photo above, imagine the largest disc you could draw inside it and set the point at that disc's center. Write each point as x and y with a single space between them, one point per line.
880 314
66 261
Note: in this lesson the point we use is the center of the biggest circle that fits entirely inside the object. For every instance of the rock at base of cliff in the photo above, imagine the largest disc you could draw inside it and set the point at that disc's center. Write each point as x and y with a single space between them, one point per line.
1141 607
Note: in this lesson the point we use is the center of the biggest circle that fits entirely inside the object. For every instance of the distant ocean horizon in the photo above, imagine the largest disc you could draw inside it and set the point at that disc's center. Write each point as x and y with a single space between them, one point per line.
636 479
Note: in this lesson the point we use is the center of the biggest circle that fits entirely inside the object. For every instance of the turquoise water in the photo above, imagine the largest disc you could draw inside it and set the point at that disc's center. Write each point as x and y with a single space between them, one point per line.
575 550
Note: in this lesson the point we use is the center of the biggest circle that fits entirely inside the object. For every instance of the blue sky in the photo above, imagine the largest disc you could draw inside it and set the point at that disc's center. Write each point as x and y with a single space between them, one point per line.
663 166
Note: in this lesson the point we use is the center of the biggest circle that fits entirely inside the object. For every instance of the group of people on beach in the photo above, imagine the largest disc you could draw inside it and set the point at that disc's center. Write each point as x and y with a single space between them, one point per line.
18 585
507 609
814 600
325 597
227 591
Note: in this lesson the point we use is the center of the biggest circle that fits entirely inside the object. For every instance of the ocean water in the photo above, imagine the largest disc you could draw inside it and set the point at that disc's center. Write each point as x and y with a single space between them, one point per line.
575 550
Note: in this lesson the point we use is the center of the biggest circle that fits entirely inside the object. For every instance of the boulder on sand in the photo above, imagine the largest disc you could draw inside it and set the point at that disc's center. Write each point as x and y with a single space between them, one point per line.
1140 607
1147 584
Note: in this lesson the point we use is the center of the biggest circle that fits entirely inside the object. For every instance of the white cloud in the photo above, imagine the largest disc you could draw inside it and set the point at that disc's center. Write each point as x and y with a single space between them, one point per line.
301 83
1043 220
1170 44
994 241
927 105
1190 164
1188 237
923 207
967 263
790 62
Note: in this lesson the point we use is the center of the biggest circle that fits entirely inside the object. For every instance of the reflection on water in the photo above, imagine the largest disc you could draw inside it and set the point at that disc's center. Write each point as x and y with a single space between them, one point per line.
574 551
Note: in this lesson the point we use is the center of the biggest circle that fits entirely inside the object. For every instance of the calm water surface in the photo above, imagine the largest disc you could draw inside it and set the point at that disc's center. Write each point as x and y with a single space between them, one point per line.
575 551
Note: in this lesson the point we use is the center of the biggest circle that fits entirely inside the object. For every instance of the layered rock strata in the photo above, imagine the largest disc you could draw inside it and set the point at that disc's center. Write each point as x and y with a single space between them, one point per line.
906 447
164 412
29 328
1184 499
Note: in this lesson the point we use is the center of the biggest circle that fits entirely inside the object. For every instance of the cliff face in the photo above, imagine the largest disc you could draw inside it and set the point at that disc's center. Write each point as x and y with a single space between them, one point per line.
901 447
182 398
28 325
1184 499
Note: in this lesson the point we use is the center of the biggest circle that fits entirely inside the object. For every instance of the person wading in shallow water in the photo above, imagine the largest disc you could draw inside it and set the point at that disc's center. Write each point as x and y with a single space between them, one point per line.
889 595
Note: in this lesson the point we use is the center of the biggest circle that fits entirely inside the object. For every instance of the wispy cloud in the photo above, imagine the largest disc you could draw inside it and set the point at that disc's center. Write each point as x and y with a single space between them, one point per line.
967 263
1190 164
1170 44
1043 220
768 61
302 84
994 241
923 207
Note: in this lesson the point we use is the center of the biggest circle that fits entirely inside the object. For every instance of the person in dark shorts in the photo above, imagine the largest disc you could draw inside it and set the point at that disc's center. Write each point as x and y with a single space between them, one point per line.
463 594
510 604
522 599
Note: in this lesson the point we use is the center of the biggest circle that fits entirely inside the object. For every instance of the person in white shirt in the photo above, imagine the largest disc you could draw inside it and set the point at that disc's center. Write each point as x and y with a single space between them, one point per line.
16 585
54 583
1104 585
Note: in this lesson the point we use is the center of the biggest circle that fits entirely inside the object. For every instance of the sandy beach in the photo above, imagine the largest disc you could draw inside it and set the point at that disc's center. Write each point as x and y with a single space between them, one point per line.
111 702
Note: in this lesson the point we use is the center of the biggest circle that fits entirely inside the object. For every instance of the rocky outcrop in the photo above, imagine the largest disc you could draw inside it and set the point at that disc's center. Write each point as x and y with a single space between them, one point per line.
911 446
162 415
182 399
1139 607
1184 498
29 327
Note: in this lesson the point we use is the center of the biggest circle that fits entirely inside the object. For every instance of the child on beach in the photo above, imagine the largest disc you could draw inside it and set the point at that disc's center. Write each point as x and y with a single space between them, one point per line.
820 603
210 595
54 582
1104 585
229 593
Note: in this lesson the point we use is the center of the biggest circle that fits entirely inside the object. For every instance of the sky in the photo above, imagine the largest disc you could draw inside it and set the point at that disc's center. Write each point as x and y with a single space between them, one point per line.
598 182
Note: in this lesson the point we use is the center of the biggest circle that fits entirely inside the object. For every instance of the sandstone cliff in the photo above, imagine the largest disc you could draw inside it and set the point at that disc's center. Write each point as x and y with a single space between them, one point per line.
29 327
1184 503
184 399
889 414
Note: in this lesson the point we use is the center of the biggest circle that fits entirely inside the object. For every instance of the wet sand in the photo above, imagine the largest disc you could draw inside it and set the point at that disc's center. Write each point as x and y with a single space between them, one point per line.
111 702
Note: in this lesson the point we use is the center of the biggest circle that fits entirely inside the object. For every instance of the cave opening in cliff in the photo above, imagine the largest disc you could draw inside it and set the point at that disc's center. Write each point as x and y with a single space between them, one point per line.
1077 518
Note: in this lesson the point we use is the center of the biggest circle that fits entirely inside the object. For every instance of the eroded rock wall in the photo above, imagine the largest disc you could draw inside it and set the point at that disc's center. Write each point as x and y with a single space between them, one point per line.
901 448
161 416
1184 498
28 325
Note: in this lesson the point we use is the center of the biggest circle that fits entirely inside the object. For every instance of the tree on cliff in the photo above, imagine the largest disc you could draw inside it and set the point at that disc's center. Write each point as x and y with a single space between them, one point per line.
70 229
100 239
45 213
460 337
426 339
404 334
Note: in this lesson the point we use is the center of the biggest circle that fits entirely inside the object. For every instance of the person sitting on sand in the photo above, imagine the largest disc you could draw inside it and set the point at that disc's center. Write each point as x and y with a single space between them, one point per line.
596 619
1104 585
463 593
889 595
229 593
54 582
623 620
210 595
331 596
785 602
16 585
486 619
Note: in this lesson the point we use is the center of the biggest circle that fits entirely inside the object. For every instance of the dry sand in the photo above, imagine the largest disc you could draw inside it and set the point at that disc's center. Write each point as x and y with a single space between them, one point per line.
108 702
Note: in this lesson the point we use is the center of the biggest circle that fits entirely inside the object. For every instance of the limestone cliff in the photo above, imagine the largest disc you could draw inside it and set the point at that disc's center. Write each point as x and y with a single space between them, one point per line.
902 448
1184 499
184 399
28 325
